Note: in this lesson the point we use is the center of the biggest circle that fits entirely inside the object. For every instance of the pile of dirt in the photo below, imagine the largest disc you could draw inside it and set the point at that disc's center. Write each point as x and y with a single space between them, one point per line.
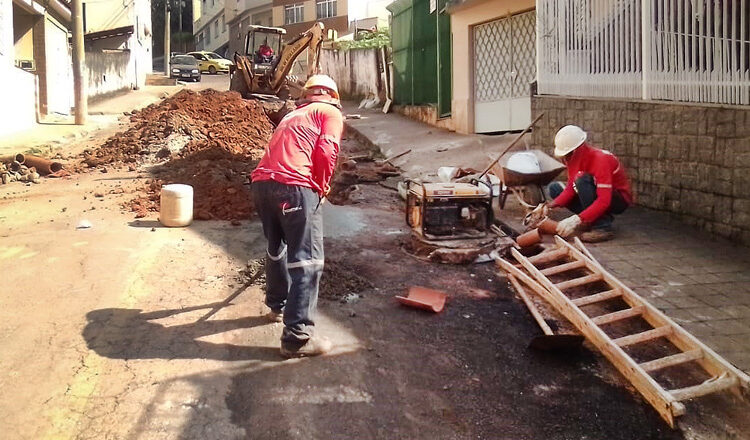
211 140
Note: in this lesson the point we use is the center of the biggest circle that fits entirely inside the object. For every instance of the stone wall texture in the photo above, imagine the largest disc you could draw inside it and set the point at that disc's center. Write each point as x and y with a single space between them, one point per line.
690 160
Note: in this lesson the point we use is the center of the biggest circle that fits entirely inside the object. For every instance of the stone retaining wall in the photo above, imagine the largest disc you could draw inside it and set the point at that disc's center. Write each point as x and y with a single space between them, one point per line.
691 160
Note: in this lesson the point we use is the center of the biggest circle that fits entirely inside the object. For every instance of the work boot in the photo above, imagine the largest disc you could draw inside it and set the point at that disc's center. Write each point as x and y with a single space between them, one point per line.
275 316
314 346
597 235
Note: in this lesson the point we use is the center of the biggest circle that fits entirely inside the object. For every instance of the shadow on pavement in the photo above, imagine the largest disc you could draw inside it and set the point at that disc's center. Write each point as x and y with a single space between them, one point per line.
131 334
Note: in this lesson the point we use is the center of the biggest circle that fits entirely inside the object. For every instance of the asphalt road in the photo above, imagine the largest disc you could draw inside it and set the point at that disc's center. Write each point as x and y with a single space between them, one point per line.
217 82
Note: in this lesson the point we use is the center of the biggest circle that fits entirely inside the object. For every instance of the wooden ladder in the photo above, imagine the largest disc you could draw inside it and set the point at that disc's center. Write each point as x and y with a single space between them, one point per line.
667 402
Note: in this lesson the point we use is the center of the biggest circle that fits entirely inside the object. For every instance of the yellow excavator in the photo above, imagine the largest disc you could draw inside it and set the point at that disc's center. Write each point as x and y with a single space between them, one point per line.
262 71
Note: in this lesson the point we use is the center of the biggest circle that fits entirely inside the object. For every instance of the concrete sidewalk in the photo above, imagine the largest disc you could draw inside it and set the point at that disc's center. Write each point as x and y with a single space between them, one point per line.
700 281
431 147
57 130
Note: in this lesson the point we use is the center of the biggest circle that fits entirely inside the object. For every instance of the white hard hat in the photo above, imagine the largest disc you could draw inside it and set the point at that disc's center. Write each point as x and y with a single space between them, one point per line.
568 139
325 82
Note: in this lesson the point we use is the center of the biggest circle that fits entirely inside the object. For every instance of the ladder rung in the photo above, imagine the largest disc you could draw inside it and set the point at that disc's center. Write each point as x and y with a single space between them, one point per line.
707 387
563 268
643 336
603 296
617 316
670 361
547 256
579 281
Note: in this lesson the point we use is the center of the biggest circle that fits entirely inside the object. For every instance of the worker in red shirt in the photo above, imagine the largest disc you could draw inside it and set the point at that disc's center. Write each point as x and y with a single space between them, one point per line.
265 52
288 188
597 187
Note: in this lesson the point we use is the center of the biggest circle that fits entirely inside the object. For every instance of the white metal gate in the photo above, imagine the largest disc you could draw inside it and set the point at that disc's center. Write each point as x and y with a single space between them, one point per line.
504 67
676 50
59 70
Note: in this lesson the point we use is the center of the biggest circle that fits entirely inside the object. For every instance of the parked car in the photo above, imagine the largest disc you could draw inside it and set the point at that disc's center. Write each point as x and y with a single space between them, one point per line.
212 63
184 67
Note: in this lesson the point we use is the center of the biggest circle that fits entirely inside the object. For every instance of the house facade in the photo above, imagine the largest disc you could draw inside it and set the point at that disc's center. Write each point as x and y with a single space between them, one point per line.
240 15
35 62
117 41
494 64
210 28
297 16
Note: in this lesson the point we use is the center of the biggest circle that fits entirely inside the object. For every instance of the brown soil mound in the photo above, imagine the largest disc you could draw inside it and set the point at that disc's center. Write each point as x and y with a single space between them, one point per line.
211 140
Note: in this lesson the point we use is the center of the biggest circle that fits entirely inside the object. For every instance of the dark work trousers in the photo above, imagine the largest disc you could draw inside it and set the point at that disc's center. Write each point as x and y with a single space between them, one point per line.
585 188
293 225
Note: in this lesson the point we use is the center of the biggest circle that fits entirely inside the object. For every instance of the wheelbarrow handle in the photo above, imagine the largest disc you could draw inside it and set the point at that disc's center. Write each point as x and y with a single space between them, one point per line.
512 144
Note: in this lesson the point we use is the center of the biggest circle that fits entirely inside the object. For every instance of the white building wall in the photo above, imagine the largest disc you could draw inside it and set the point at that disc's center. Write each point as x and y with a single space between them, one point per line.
17 86
209 20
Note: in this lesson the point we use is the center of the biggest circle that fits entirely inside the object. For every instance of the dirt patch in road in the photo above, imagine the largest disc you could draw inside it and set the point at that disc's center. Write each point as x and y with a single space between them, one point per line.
342 282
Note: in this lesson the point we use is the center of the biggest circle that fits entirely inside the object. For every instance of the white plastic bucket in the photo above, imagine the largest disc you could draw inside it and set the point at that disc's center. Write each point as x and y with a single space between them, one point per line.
176 205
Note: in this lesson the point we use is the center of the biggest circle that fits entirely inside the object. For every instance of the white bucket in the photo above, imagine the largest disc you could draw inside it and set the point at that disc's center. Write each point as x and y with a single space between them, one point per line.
176 205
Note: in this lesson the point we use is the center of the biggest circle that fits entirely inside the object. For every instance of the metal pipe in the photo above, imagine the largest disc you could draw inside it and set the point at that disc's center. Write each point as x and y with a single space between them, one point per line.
43 166
10 158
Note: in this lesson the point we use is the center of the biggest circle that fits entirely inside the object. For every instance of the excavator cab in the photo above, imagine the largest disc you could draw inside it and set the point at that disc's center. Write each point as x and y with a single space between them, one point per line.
263 68
263 46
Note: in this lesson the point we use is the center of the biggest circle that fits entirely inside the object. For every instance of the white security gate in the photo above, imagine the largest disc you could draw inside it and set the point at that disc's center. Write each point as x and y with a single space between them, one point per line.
59 70
674 50
504 67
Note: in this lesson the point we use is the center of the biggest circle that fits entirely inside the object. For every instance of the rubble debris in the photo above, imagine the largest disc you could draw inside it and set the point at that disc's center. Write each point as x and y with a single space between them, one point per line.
459 251
210 140
351 172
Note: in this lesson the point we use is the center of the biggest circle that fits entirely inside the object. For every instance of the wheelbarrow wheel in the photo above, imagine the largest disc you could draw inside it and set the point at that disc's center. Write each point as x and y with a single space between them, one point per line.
531 194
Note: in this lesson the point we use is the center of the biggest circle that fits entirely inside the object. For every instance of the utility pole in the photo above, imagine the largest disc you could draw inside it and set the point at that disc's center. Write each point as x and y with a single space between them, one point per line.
79 59
182 40
167 31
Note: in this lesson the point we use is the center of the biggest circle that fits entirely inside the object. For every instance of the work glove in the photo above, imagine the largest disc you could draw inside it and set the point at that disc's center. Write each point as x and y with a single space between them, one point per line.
565 228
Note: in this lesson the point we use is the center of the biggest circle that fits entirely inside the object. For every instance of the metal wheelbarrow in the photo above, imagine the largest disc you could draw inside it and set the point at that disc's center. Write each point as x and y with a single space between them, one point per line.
516 183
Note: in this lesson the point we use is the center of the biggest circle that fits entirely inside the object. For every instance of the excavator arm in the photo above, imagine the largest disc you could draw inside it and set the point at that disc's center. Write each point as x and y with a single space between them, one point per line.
312 39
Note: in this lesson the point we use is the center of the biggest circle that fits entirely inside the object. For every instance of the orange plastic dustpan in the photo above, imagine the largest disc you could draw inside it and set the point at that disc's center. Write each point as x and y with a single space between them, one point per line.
424 298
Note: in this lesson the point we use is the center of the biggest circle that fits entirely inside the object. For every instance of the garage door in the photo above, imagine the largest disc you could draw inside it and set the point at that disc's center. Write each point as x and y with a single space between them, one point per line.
504 67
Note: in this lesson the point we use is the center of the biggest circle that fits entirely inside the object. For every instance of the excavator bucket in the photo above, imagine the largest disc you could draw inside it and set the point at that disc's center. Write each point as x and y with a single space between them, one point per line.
242 81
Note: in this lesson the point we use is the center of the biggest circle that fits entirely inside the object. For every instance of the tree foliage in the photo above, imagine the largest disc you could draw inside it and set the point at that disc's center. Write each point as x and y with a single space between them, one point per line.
367 40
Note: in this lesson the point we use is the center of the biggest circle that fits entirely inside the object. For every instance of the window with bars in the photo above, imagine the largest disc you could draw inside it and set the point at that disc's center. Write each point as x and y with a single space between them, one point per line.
294 13
326 8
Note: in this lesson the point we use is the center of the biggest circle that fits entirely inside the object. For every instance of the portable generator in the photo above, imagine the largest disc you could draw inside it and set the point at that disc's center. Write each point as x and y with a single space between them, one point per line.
443 211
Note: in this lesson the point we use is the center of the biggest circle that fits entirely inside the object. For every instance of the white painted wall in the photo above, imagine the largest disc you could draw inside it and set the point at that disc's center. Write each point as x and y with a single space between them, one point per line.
18 89
355 71
108 71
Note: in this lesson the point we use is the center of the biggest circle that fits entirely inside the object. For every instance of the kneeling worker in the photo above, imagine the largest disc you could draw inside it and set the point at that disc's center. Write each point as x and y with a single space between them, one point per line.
597 187
288 187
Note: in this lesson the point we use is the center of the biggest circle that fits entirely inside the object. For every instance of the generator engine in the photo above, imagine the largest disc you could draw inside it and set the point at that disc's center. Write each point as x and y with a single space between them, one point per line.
449 210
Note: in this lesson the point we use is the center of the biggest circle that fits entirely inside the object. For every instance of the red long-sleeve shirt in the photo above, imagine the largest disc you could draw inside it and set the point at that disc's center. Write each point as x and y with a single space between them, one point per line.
304 148
608 175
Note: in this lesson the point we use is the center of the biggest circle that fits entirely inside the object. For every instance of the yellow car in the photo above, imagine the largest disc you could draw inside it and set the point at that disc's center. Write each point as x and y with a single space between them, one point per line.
211 62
